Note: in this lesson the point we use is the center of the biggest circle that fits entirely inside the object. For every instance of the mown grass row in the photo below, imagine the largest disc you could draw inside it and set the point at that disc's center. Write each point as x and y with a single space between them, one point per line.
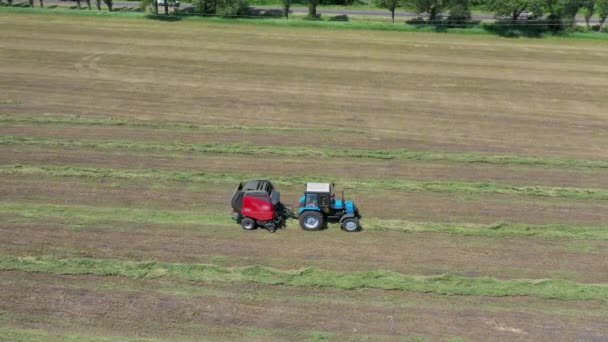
12 334
80 217
444 284
303 151
49 119
224 332
370 183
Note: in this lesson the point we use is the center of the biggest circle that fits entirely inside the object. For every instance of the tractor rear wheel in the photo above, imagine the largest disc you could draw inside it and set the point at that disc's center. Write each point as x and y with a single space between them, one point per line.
311 220
248 223
351 224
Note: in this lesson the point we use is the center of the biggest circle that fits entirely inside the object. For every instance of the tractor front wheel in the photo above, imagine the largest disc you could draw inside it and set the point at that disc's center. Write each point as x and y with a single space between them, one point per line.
351 224
311 220
248 223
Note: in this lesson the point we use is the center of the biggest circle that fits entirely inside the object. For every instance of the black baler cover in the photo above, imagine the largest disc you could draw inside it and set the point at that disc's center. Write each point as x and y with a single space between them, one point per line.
256 186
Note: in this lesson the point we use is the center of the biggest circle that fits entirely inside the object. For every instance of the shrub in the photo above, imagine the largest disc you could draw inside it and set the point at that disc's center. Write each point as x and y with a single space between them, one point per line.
416 21
312 17
340 17
232 8
526 28
207 7
460 15
341 2
266 13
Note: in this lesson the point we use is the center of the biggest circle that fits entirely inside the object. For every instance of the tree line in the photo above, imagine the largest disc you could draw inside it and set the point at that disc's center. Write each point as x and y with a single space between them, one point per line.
109 3
560 13
555 14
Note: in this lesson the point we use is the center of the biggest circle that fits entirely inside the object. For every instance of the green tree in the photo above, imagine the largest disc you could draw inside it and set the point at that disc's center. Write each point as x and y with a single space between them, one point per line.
391 5
205 7
146 4
431 7
78 4
312 8
562 13
514 8
459 9
110 4
232 8
31 2
588 8
286 6
602 9
98 4
41 3
460 13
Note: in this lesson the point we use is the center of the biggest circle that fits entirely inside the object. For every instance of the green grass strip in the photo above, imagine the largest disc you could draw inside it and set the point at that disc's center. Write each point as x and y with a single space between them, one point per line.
79 217
443 284
387 184
105 121
11 334
500 229
300 151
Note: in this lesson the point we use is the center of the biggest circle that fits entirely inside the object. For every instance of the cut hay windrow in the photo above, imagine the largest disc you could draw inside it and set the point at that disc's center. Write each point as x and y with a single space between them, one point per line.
446 284
301 151
80 217
398 184
47 119
8 333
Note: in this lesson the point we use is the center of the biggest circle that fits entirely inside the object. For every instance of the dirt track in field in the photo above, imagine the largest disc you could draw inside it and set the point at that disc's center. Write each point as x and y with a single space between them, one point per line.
137 307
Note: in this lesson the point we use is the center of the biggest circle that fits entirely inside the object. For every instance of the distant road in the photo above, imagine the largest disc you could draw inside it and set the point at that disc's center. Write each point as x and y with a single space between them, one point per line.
376 13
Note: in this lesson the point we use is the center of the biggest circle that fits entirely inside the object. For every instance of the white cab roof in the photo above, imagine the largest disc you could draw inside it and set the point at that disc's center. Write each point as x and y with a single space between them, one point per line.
318 187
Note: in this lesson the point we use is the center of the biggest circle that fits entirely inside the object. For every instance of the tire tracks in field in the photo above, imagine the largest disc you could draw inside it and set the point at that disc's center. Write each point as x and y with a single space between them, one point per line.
89 64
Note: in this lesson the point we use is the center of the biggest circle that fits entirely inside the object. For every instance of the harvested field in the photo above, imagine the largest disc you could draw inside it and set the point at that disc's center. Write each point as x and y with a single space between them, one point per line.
479 164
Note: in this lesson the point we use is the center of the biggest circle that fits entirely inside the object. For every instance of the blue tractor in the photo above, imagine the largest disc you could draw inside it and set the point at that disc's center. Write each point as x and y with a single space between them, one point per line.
319 206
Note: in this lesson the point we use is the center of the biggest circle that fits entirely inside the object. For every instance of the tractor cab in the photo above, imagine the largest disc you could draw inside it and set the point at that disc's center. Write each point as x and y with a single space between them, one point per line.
319 206
318 196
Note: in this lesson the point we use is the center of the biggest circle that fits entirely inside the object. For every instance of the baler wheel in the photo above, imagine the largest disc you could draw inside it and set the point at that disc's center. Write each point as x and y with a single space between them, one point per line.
248 223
